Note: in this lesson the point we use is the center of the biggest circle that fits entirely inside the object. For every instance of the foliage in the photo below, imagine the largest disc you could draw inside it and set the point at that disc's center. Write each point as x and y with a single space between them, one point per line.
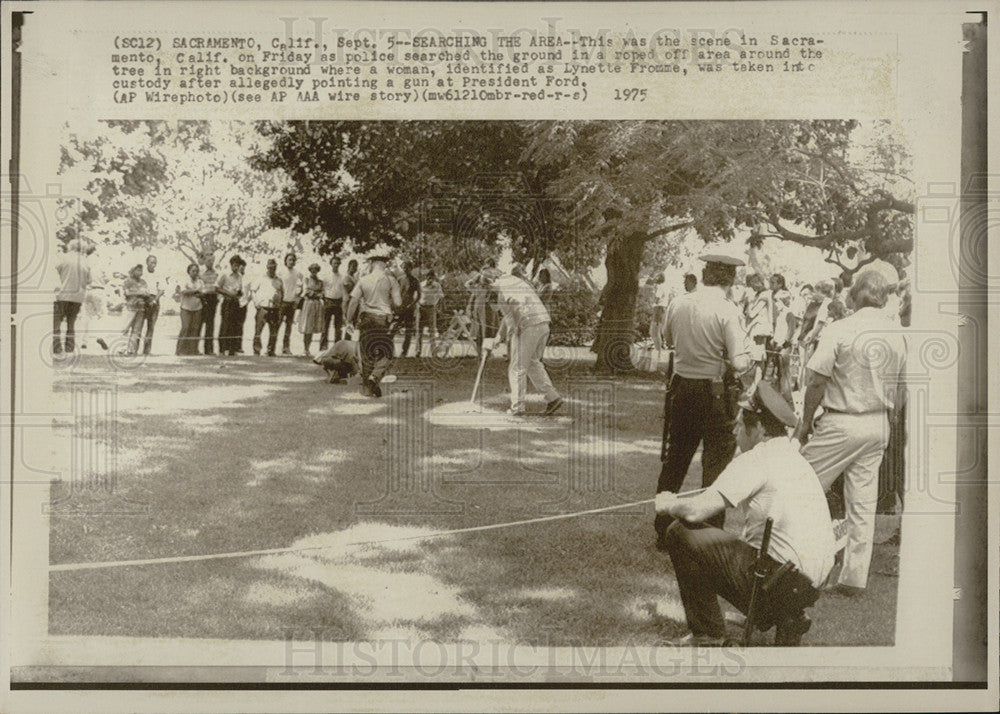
184 185
574 312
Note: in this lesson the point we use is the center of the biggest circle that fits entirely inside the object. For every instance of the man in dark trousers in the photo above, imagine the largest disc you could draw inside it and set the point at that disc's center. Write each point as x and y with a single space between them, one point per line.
706 334
769 479
406 316
210 301
374 300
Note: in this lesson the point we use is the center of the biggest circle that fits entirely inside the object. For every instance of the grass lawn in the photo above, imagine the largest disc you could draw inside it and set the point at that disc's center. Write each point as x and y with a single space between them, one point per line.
236 454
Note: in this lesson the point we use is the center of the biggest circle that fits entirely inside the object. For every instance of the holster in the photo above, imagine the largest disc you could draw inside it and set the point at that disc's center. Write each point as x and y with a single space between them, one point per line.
787 593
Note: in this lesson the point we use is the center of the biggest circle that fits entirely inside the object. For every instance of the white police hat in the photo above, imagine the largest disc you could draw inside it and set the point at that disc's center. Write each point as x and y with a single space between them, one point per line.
726 253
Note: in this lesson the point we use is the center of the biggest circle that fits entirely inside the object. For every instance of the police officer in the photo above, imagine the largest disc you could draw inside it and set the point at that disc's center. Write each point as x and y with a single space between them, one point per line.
707 336
374 301
769 479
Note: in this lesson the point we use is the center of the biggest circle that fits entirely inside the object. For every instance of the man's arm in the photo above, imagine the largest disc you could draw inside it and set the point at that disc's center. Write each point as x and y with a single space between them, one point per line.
813 398
693 509
736 345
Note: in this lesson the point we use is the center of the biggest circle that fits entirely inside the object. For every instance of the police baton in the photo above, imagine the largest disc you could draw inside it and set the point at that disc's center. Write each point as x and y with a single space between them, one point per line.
759 573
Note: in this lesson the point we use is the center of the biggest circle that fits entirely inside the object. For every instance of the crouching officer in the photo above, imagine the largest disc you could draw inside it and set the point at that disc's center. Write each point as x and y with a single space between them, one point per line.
769 479
340 361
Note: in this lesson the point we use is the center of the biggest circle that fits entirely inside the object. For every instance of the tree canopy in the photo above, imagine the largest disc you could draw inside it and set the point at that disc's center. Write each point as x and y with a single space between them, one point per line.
185 185
595 190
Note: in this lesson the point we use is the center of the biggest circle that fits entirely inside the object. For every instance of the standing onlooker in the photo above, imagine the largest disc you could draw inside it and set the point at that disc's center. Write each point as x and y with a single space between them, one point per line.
266 296
479 291
374 300
861 392
527 322
759 319
190 306
74 277
241 312
333 304
230 286
136 293
311 317
406 316
291 292
662 297
544 287
209 302
156 288
431 293
93 304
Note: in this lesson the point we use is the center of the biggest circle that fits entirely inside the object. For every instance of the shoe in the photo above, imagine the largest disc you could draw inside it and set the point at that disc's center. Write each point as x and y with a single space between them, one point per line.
270 354
516 412
286 352
553 406
373 387
693 640
256 353
790 630
102 343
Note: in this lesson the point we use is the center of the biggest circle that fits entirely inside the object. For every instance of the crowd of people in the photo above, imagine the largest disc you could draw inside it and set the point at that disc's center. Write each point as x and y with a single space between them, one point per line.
333 307
730 383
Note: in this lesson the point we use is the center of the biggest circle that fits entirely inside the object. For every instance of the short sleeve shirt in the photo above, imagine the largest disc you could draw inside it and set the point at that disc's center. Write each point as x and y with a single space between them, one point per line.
192 302
773 480
378 293
291 283
520 302
864 355
74 276
700 326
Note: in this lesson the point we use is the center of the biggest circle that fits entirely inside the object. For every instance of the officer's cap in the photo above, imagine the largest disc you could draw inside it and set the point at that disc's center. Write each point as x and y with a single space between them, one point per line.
382 255
725 253
767 398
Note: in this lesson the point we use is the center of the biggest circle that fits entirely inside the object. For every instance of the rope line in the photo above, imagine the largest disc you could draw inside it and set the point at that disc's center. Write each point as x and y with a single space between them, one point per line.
63 567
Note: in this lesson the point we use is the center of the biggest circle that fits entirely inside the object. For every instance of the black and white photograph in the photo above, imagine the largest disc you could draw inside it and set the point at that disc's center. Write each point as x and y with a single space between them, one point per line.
494 400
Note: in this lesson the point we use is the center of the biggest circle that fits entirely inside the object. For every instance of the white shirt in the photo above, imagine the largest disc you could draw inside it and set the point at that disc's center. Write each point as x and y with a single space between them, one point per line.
864 355
74 276
520 303
773 480
291 283
664 294
700 325
333 286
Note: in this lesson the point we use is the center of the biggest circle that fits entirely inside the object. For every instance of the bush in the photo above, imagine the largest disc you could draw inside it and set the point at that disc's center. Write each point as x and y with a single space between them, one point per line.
574 311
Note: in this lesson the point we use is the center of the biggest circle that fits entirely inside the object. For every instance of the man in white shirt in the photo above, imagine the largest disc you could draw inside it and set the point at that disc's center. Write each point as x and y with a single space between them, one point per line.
291 286
527 322
769 479
74 277
374 301
856 375
156 290
266 293
333 304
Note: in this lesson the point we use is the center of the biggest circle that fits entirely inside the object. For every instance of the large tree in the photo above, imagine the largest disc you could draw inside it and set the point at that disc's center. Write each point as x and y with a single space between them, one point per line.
803 181
592 190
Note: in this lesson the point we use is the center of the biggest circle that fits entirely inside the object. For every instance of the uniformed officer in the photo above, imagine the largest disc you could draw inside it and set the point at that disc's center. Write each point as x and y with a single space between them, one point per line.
374 301
706 333
769 479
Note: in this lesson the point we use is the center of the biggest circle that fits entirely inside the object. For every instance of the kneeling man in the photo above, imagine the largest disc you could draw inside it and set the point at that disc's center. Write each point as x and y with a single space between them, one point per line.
341 360
769 479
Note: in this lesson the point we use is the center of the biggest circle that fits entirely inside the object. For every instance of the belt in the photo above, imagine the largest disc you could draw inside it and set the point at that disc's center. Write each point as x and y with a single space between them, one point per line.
829 410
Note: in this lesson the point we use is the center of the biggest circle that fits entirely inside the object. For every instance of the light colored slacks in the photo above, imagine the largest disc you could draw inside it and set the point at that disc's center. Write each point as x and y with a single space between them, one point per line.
527 347
853 445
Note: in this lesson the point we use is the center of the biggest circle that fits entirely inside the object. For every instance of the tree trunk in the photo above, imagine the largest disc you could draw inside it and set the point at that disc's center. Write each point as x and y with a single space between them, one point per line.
616 328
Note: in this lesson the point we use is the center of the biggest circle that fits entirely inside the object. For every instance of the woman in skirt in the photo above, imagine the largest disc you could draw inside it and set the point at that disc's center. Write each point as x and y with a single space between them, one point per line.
311 320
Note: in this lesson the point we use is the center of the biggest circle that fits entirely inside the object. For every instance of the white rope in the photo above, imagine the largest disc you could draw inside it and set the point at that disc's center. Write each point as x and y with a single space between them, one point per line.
273 551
